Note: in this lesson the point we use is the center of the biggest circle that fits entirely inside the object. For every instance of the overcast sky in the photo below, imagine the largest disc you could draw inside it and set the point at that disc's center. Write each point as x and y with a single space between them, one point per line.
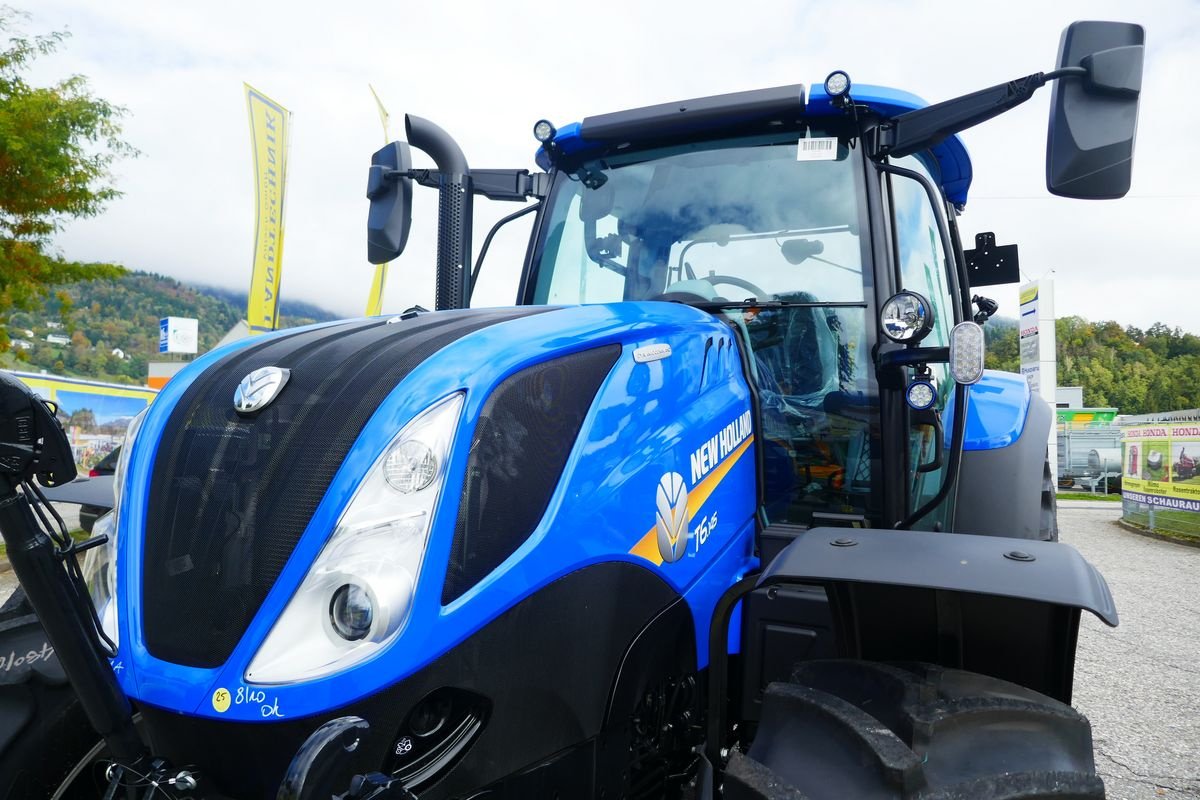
486 71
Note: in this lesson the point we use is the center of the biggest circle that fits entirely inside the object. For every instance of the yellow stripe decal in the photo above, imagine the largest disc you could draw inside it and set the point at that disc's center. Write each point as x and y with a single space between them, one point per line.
647 546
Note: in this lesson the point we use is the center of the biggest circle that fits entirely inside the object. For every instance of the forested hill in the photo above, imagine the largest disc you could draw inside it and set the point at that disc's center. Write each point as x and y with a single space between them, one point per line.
104 316
1138 371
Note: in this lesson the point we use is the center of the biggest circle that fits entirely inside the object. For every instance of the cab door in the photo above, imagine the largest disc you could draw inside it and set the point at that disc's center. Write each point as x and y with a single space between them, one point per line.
924 266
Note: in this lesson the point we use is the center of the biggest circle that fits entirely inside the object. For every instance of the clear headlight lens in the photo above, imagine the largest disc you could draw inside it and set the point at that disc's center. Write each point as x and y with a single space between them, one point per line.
906 317
100 563
357 594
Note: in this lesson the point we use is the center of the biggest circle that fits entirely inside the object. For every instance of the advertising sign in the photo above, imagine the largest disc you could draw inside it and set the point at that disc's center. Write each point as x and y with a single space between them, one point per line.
1162 465
178 335
270 124
1030 355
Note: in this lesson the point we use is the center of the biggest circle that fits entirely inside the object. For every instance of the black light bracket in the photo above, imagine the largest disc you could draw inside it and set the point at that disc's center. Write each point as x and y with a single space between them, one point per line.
991 264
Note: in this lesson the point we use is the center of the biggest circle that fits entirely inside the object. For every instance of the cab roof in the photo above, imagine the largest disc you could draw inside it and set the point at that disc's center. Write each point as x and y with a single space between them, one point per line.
705 114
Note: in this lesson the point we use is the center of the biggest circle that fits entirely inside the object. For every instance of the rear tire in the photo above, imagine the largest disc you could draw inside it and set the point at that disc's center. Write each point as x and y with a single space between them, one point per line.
859 729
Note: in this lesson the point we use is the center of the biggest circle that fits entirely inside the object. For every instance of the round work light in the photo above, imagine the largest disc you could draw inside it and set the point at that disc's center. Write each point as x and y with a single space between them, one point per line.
906 317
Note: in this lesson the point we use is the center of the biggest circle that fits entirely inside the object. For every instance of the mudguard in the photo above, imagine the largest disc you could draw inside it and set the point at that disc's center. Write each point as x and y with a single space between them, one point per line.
1001 606
1004 452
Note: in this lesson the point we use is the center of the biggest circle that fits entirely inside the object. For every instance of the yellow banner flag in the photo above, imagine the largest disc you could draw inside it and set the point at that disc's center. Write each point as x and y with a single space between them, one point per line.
375 298
270 125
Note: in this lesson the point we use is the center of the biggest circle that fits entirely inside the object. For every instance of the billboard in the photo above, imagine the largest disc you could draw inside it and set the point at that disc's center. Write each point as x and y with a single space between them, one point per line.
93 414
178 335
1162 465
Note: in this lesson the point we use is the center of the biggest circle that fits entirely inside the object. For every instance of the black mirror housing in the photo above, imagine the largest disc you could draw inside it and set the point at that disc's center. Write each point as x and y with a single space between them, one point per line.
390 216
1093 118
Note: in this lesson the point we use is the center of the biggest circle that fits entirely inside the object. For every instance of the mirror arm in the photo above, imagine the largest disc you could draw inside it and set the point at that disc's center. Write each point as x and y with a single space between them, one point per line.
916 130
494 184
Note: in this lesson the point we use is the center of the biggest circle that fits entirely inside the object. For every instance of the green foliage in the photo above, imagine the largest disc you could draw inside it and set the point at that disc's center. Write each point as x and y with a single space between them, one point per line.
1139 372
122 314
56 146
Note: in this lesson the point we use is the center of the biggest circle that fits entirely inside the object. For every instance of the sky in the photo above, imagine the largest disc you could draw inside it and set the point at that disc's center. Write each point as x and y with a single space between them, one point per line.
486 71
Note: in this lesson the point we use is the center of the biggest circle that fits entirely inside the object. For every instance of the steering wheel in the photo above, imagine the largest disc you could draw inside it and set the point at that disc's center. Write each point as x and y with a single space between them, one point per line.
732 280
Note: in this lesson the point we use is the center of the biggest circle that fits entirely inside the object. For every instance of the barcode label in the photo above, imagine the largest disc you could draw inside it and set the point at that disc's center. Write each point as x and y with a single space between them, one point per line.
820 149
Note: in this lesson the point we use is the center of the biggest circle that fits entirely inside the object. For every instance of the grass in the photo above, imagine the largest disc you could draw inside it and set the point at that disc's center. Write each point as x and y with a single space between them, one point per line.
1180 519
1109 498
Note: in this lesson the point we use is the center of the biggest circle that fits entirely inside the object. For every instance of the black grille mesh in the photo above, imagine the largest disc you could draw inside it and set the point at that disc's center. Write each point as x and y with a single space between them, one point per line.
520 446
230 495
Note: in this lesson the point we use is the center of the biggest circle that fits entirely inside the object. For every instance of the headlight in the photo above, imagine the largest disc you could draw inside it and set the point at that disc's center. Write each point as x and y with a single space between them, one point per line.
100 563
906 317
355 599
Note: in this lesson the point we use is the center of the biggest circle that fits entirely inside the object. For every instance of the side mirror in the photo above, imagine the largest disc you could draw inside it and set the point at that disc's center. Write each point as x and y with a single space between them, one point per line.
1093 117
390 215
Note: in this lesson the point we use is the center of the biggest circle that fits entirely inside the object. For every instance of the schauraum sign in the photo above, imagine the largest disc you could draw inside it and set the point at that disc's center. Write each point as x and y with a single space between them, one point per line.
1162 465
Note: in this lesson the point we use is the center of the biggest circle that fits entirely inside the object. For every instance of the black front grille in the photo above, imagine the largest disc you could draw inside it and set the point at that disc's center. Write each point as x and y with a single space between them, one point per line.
230 495
525 432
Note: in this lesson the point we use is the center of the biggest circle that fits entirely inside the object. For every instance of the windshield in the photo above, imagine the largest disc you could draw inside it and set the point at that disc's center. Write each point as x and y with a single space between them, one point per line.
774 220
769 219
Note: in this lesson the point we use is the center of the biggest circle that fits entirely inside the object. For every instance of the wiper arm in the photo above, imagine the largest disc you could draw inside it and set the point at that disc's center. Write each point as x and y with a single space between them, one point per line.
752 302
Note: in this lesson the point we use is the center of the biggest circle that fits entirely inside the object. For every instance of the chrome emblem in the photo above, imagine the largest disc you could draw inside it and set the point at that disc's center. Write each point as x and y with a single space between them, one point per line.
259 388
672 519
652 352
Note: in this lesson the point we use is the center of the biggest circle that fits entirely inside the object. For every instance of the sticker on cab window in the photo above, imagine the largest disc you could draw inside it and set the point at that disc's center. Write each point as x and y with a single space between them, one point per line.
823 148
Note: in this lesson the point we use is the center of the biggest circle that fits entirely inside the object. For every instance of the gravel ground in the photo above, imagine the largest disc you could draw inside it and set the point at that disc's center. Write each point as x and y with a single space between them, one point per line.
1139 684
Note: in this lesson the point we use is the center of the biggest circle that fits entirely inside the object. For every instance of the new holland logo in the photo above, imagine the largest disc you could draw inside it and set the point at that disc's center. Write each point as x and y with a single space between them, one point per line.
672 519
259 388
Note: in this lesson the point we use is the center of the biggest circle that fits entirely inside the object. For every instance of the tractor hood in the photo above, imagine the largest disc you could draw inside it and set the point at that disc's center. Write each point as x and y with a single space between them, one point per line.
239 476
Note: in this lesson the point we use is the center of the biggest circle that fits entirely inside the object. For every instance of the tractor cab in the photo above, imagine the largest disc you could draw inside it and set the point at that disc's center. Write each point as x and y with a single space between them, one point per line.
765 211
769 232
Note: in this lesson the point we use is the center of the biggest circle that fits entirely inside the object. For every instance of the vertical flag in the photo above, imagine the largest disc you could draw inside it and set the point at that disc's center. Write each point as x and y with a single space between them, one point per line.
270 126
375 299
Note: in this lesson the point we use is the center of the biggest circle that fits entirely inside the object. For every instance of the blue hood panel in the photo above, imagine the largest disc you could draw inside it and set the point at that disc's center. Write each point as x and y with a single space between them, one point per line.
680 423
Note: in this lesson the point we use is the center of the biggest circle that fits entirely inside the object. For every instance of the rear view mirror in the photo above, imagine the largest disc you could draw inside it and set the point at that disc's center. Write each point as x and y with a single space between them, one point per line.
390 193
1093 118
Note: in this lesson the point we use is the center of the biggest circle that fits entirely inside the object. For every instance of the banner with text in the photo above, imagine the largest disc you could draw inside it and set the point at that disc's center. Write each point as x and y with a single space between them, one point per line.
270 124
1162 465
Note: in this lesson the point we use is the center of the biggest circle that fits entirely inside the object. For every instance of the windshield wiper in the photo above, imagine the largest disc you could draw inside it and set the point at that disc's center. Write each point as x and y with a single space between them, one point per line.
752 302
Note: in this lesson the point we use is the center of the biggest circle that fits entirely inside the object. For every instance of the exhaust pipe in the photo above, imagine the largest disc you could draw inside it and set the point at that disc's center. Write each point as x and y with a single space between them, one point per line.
455 202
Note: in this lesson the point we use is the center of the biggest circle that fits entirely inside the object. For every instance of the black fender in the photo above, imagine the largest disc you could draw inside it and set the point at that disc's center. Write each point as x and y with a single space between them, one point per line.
1001 606
1000 489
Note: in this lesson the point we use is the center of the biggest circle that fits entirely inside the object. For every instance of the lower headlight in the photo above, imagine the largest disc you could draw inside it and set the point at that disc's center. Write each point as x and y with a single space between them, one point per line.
351 612
356 597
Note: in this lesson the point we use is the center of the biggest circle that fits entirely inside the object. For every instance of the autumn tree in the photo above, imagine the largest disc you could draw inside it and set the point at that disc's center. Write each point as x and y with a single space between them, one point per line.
57 144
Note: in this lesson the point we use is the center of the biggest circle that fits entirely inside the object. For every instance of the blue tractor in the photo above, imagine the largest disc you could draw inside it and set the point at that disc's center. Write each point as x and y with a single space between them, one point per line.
725 506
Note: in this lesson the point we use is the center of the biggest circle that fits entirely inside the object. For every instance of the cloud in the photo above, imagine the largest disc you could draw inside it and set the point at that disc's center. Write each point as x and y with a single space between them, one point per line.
486 71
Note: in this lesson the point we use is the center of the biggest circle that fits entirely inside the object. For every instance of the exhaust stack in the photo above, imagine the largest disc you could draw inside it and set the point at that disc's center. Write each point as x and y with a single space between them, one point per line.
455 201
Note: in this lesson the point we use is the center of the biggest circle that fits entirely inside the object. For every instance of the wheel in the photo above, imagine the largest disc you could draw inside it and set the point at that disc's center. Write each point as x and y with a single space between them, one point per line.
1048 527
859 729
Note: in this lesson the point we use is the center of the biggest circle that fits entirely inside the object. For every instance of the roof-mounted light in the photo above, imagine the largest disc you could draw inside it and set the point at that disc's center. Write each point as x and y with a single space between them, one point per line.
544 131
837 86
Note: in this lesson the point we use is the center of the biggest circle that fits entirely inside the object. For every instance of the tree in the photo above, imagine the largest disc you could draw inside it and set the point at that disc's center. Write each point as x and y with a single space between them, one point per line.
56 146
